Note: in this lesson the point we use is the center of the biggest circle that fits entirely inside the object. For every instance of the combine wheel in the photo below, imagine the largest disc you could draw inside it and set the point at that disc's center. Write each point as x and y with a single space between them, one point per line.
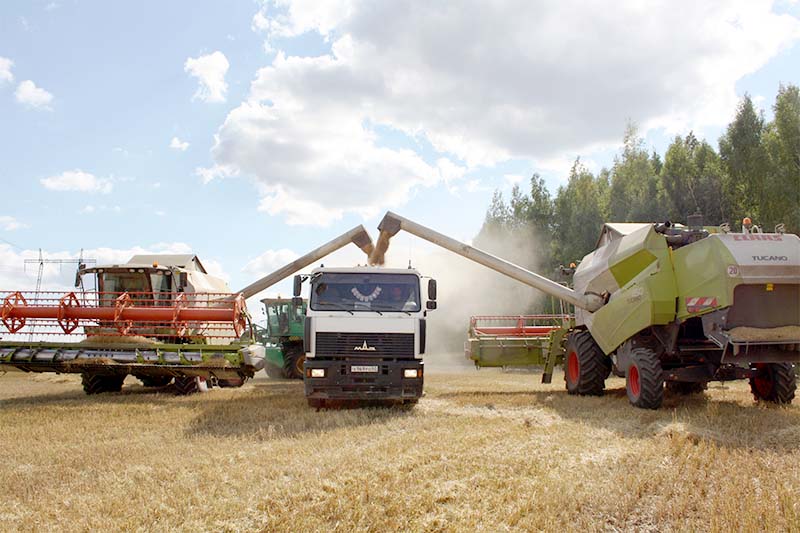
644 379
586 366
155 381
685 388
775 382
186 385
98 383
293 359
233 383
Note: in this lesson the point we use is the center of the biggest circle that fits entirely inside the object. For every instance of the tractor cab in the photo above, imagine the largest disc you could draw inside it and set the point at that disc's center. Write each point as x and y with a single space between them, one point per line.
285 316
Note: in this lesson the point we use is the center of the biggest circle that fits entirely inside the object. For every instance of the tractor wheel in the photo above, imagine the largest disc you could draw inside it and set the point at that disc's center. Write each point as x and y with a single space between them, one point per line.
155 381
684 388
293 359
644 379
775 382
273 371
586 366
99 383
186 385
233 383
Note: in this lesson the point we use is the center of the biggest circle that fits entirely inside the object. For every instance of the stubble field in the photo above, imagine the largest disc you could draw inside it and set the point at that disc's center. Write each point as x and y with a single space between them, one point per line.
483 451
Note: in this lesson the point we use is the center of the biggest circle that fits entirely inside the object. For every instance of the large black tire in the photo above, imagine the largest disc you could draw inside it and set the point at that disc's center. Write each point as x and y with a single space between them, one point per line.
99 383
684 388
186 385
775 382
273 371
293 359
644 379
155 381
586 366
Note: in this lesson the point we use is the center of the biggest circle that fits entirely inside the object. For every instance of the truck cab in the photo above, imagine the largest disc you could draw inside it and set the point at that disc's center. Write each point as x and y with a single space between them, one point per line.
364 334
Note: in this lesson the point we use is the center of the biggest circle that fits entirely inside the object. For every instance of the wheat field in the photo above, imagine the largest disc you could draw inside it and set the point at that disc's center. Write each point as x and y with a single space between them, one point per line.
482 451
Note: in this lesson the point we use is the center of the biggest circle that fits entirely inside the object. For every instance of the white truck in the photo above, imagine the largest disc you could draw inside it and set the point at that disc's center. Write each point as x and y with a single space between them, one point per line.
365 334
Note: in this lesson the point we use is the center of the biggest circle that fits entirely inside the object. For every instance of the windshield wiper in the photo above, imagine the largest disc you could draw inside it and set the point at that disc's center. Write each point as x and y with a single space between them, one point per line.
392 310
338 306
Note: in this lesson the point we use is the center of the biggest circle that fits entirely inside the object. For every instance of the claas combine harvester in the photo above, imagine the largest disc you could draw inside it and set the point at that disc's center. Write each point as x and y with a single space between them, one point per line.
664 306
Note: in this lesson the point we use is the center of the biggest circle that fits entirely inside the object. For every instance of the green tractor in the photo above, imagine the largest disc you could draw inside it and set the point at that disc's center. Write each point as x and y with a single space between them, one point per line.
283 337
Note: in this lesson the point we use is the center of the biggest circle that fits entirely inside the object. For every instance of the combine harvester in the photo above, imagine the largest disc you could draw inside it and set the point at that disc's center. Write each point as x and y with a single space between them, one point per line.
657 304
159 318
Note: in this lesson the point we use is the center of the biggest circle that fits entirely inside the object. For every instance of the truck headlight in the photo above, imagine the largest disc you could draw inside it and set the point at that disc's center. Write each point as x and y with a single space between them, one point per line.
317 373
410 373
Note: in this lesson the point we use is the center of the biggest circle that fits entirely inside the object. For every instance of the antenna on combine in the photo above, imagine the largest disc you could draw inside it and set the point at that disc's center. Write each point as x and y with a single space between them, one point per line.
80 262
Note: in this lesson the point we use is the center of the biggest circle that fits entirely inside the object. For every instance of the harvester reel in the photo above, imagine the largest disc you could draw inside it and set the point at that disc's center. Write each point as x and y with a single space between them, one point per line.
239 315
13 323
65 303
123 301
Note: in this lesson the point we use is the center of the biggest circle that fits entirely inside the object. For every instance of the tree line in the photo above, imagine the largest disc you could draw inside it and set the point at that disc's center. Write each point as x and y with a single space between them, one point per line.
753 172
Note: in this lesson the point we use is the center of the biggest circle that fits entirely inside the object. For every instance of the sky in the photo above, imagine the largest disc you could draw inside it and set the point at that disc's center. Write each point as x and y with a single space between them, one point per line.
251 132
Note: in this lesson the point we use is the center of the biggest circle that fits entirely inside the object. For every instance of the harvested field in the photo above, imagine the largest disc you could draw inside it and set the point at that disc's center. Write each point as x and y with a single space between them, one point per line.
482 451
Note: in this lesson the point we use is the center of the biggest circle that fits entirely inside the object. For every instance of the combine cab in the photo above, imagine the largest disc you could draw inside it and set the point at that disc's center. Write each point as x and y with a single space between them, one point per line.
159 318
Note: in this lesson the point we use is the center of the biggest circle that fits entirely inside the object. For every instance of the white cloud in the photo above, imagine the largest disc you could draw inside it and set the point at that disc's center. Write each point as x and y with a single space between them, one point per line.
482 83
492 82
513 179
268 262
77 180
9 223
210 72
5 70
29 94
177 144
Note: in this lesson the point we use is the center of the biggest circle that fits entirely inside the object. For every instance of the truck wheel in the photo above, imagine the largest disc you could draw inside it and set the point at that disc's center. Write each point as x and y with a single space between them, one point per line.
293 359
775 382
98 383
586 366
186 385
316 403
684 388
155 381
644 380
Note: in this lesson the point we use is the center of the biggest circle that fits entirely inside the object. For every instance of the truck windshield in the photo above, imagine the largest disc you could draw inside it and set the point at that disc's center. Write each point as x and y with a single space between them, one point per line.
334 291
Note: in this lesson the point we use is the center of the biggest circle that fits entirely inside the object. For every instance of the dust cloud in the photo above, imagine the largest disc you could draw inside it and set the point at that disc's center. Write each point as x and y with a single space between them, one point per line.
466 289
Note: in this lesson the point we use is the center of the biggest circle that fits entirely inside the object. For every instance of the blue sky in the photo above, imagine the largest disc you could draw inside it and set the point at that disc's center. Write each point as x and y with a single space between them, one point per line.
333 112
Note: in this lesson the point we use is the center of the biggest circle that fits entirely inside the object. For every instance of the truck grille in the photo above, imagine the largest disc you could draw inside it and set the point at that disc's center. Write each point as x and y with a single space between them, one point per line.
397 345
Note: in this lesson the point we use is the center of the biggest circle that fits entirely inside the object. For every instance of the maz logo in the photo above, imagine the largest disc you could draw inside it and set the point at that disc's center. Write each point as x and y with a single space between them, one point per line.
770 258
364 348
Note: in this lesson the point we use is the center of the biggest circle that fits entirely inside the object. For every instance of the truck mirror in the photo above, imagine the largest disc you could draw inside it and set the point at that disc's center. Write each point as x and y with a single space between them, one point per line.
298 284
430 305
183 280
431 290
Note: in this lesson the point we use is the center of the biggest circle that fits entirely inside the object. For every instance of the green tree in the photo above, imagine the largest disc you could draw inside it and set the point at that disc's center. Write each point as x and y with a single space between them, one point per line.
636 194
746 161
782 142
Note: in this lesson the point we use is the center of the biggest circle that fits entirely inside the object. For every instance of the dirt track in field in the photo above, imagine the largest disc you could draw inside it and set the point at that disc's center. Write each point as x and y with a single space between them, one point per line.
482 451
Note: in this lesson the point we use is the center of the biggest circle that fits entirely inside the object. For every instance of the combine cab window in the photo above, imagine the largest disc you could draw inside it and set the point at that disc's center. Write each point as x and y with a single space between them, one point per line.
114 283
278 317
161 286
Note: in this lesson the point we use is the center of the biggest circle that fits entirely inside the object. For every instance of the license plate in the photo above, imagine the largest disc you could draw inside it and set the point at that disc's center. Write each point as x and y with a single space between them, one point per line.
364 368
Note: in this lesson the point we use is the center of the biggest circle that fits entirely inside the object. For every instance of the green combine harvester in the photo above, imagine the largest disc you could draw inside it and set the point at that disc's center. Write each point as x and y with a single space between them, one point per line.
283 337
664 306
